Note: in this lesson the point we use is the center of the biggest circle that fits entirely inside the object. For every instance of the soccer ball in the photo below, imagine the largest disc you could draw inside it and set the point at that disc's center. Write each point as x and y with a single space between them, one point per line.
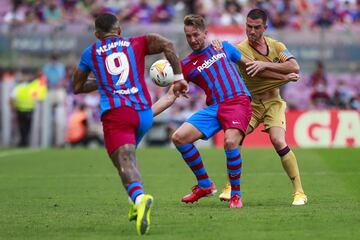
161 73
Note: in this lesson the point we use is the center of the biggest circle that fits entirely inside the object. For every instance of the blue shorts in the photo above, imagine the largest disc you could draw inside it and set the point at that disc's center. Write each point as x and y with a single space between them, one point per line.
145 123
232 113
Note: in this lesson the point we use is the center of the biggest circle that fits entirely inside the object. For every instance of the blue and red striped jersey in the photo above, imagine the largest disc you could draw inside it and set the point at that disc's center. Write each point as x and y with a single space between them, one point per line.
118 65
215 72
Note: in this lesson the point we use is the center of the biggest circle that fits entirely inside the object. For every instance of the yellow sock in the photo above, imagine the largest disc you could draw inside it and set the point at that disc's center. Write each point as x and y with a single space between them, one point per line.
290 165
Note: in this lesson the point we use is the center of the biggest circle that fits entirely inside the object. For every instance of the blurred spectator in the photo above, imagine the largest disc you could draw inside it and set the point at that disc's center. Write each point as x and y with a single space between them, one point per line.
31 21
16 17
320 98
78 132
55 74
196 7
355 102
280 20
140 13
342 95
326 18
164 13
232 14
37 8
23 101
215 12
318 76
345 13
87 10
52 13
69 5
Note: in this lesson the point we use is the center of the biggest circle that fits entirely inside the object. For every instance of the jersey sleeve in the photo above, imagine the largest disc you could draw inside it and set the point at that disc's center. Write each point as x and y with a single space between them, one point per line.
232 52
84 64
184 71
141 44
283 52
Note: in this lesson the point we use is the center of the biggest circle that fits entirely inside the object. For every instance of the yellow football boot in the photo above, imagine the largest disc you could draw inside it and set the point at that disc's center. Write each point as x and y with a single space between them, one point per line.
226 194
299 199
132 212
143 215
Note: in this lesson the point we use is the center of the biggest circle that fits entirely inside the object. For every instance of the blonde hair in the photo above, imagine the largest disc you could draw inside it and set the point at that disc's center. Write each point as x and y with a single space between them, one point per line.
196 21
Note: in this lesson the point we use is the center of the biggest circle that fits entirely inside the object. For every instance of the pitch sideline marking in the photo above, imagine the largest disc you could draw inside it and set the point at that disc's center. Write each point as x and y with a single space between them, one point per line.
18 152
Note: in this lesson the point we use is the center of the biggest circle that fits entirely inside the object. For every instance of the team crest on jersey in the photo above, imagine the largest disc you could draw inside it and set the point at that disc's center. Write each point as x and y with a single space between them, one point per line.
276 60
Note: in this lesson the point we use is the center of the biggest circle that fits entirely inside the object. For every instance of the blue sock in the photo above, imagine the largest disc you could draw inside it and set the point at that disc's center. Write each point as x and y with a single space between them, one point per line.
193 159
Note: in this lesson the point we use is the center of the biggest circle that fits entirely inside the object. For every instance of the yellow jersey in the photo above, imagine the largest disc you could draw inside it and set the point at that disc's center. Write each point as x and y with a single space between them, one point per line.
277 53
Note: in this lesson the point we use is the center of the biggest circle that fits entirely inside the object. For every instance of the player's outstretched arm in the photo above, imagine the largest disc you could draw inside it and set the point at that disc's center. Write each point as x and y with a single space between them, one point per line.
290 66
82 84
158 44
164 102
267 73
280 76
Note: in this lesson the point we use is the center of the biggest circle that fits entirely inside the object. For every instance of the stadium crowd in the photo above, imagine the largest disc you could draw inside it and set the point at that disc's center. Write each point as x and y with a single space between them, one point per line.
320 90
284 14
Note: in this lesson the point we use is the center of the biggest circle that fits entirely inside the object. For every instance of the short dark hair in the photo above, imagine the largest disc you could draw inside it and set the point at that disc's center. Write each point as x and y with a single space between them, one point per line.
105 22
258 14
194 20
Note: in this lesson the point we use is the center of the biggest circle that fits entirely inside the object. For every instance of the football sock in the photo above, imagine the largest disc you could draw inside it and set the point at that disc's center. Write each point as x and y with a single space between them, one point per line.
234 164
193 159
290 165
135 191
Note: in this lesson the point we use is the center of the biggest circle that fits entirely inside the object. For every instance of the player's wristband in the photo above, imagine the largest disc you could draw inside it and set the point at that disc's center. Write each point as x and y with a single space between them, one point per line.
178 77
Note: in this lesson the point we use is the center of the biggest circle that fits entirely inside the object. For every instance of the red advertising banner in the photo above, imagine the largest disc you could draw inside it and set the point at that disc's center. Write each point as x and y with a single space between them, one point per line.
333 128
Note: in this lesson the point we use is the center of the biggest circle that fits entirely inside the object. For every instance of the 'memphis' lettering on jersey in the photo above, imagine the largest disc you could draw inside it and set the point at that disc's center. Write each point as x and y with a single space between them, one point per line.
109 46
208 62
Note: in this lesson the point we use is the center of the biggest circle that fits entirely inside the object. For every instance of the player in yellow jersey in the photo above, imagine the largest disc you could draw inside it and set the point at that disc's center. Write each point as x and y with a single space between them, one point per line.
267 105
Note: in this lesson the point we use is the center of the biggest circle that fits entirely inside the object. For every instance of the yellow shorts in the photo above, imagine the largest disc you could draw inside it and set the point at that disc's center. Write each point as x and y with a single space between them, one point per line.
271 112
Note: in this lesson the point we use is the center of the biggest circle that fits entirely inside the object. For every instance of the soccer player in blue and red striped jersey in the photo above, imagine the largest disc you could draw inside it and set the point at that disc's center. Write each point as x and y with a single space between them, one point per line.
125 104
229 108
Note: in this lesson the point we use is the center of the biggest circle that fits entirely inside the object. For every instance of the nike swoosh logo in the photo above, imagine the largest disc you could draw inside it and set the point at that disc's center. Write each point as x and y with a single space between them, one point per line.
235 122
194 63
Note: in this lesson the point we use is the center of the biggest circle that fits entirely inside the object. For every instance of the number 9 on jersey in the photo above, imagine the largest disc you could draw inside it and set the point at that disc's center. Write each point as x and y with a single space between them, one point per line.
161 73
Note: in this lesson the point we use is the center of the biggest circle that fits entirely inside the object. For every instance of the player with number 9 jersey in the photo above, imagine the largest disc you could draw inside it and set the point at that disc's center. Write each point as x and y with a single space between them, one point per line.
119 71
118 64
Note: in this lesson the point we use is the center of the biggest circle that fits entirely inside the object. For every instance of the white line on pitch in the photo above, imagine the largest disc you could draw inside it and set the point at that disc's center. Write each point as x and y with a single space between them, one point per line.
18 152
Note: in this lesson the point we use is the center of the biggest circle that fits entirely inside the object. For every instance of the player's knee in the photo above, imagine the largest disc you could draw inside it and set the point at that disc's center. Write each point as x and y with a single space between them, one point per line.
178 138
277 141
124 155
231 143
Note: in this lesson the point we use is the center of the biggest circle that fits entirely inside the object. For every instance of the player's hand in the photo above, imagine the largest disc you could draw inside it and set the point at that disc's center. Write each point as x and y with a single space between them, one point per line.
293 77
253 68
171 95
216 44
181 87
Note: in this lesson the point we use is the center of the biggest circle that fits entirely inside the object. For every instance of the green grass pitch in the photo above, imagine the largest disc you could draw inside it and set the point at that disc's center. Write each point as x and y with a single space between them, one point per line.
77 194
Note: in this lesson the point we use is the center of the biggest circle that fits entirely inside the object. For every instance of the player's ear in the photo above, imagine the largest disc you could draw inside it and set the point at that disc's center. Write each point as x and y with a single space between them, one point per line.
118 31
266 26
97 35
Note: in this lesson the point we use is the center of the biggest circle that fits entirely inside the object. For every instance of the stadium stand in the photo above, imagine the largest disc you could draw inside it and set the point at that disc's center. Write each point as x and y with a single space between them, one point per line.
63 25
